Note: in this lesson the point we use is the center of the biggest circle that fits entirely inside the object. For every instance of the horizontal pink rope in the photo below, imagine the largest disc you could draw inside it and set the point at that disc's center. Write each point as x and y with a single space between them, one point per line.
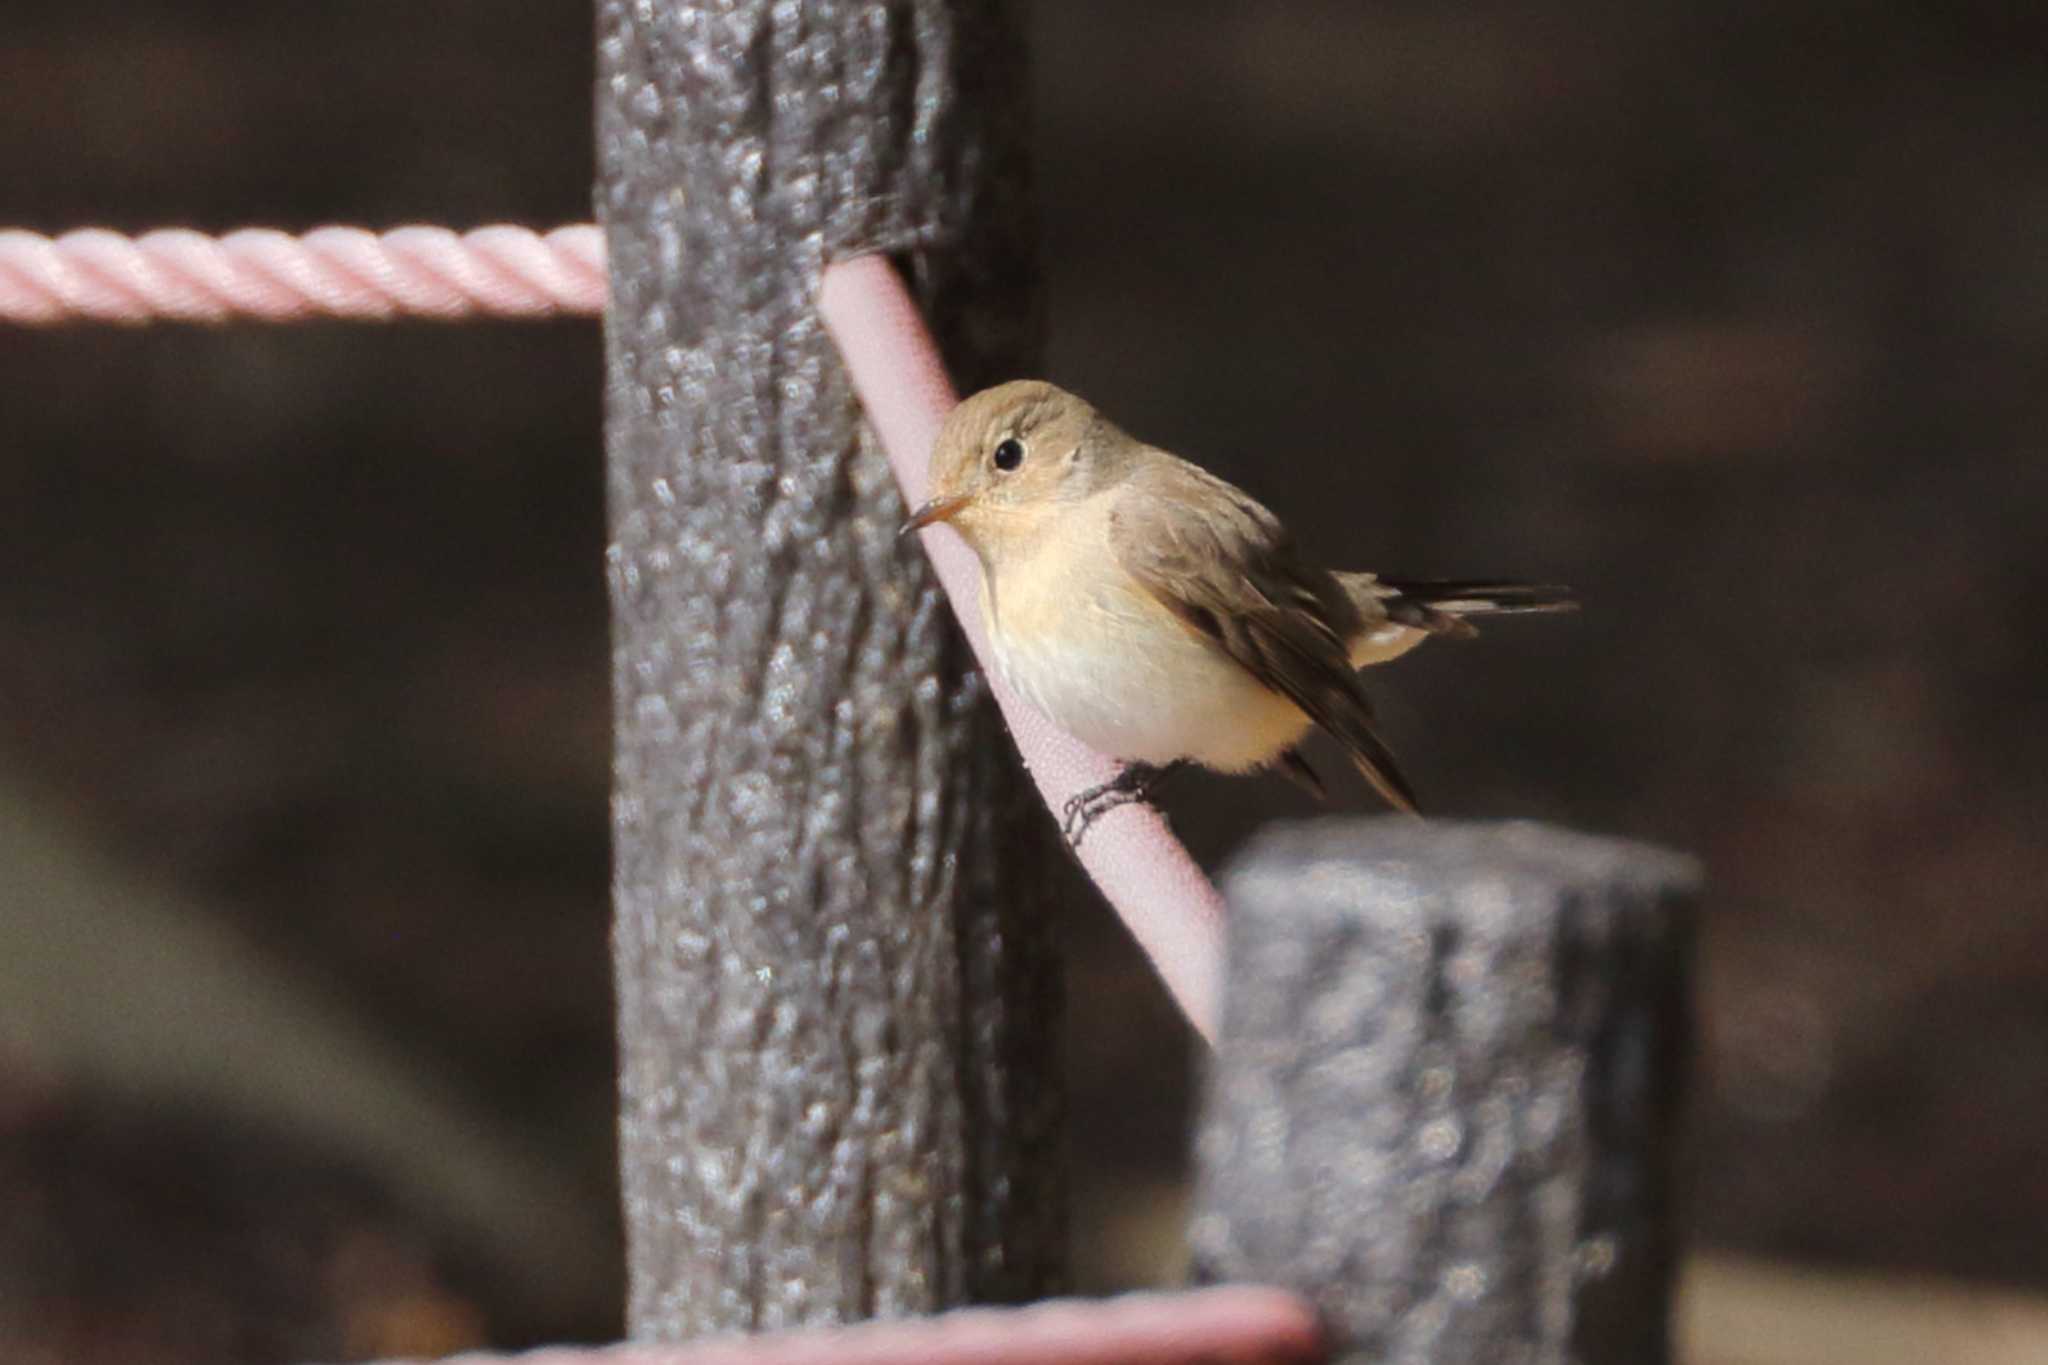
93 275
1171 908
1232 1325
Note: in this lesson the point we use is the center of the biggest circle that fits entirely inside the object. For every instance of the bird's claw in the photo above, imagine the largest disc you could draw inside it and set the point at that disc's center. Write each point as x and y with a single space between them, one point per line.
1085 809
1135 784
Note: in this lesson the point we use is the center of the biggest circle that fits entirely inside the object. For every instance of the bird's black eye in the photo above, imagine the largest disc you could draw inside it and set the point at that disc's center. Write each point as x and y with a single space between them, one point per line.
1009 454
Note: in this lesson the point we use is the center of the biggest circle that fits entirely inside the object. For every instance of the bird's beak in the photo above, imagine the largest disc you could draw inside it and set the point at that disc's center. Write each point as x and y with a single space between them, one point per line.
933 512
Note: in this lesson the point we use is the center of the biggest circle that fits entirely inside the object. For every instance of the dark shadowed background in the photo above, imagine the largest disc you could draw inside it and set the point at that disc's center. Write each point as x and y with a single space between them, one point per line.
1733 315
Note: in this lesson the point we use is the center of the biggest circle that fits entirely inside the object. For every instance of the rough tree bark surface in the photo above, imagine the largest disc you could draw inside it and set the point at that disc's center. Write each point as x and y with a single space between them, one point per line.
1446 1087
835 981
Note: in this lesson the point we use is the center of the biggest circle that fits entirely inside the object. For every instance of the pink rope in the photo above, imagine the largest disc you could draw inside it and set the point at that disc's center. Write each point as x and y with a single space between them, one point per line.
341 272
1232 1325
1171 908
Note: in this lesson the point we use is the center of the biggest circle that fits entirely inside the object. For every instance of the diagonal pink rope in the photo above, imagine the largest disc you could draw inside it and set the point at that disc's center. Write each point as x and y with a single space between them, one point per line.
1231 1325
93 275
1170 907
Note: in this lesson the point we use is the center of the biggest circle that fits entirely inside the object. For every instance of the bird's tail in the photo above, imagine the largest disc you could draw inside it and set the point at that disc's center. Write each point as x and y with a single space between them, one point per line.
1416 608
1441 606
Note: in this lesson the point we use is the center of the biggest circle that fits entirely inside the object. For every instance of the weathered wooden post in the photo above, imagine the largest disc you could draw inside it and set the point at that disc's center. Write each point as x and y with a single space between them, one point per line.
1443 1098
835 981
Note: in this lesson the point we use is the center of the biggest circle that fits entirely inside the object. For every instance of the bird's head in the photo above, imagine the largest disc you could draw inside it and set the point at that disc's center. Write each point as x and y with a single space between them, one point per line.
1008 459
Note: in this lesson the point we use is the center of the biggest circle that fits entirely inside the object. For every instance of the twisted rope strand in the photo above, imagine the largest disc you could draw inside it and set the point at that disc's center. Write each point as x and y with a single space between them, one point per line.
93 275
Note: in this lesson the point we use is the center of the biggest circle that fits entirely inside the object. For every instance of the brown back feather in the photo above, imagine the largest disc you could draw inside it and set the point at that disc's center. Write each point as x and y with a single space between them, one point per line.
1230 575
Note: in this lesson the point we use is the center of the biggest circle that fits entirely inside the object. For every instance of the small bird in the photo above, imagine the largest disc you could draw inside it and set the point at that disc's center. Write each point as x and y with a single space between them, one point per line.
1161 615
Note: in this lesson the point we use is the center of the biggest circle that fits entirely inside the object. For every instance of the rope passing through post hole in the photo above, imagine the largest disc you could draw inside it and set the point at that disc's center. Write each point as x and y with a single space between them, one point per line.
1170 906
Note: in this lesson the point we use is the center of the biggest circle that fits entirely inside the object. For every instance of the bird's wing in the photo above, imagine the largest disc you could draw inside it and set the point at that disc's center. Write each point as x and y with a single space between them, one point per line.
1230 575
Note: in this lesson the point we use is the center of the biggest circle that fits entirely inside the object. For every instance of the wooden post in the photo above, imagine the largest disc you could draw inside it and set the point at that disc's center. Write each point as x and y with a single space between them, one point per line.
1443 1101
836 1020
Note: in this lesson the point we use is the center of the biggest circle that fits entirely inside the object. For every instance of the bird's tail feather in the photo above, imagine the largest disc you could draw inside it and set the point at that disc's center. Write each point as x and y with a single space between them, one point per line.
1441 606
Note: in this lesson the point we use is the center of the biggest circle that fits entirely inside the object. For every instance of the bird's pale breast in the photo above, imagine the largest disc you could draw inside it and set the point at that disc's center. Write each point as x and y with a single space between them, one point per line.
1084 643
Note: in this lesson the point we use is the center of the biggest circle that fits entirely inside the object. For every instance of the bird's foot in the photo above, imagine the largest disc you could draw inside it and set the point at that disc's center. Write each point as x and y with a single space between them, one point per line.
1136 783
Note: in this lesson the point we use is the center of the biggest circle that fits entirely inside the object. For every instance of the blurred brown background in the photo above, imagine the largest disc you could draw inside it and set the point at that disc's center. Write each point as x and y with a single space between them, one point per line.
1733 315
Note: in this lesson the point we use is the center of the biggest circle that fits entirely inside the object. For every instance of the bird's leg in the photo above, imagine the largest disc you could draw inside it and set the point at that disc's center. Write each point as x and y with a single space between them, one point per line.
1137 782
